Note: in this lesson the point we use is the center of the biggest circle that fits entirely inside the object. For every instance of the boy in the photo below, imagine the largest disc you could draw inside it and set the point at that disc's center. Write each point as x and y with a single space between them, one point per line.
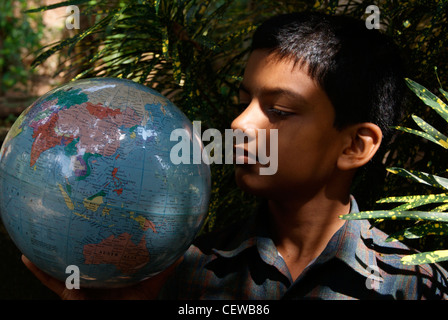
331 88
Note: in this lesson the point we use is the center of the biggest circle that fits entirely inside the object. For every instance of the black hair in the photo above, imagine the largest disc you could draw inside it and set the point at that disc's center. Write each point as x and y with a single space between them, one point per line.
359 69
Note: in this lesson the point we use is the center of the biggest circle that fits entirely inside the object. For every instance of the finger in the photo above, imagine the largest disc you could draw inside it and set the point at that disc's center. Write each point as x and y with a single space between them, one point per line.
53 284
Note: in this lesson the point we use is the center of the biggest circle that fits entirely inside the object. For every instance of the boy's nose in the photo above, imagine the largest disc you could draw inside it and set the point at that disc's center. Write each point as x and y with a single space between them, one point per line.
248 119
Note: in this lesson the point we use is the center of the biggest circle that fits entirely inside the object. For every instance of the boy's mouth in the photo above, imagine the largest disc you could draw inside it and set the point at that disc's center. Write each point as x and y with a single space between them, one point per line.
242 156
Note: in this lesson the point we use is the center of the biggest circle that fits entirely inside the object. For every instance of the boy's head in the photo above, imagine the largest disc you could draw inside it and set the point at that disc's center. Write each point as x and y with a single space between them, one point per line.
359 69
331 88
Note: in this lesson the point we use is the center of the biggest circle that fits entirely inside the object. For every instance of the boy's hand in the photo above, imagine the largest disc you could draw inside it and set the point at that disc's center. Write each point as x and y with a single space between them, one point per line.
145 290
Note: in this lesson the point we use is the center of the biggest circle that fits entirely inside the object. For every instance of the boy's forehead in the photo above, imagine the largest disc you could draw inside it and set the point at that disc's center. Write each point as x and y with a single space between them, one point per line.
282 81
267 70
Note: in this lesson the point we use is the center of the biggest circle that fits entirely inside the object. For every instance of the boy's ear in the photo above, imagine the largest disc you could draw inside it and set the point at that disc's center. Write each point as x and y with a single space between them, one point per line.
362 141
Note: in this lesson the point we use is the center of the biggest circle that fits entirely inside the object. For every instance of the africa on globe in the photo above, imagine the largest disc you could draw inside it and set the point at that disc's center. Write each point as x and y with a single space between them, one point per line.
86 180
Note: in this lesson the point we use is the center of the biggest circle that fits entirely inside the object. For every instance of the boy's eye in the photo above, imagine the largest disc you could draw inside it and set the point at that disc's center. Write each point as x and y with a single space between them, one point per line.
274 111
279 113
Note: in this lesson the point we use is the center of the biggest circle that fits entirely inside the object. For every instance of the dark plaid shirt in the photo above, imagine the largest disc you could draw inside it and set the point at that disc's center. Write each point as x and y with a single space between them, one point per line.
243 263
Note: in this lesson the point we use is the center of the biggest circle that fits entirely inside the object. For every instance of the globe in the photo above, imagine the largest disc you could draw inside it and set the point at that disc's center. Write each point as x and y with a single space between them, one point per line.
87 187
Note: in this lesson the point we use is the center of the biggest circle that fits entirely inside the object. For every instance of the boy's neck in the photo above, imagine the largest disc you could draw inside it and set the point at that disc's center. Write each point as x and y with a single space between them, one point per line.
303 228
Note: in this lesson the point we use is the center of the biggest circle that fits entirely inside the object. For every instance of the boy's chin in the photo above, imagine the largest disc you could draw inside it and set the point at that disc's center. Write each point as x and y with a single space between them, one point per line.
248 178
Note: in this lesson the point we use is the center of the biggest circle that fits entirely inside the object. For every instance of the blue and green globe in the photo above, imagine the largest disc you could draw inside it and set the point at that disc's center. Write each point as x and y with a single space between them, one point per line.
86 180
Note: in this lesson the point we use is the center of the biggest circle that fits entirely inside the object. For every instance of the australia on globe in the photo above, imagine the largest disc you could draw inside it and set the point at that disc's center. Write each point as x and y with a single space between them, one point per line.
86 180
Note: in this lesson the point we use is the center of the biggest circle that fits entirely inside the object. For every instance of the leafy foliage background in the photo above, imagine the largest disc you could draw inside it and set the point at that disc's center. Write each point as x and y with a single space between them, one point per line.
194 52
19 35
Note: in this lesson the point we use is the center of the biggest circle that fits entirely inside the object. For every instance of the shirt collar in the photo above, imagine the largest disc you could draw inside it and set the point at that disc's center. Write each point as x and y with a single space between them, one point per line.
351 243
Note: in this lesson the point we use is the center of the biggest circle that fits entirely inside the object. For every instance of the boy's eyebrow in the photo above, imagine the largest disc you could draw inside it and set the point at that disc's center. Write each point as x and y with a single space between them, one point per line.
276 91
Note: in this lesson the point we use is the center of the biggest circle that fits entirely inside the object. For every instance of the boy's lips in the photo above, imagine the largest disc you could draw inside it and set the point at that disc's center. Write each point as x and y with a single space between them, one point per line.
243 156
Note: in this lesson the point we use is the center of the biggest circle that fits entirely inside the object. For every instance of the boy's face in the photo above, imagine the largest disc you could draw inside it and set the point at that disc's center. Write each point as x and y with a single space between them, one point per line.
279 95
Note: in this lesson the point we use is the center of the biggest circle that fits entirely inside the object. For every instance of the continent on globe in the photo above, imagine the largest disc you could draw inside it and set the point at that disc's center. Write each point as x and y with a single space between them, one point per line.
75 122
119 251
45 137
